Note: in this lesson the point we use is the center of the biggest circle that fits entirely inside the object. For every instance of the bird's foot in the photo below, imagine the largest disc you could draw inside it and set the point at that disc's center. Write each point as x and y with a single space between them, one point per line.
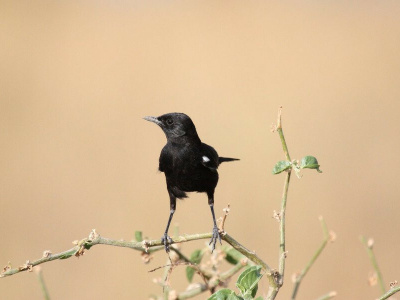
216 236
166 240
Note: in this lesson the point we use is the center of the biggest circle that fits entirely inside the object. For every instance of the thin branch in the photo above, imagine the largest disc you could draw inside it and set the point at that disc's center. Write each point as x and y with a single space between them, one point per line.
226 213
169 268
39 273
368 246
248 253
212 284
202 272
180 254
96 239
303 273
282 137
278 280
328 296
390 293
144 246
271 274
167 272
282 253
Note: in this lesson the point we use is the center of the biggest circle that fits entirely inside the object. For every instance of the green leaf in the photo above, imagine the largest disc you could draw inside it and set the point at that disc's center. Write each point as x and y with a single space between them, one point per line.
241 288
138 236
247 282
190 273
249 296
310 162
234 297
232 255
225 294
281 166
259 298
195 258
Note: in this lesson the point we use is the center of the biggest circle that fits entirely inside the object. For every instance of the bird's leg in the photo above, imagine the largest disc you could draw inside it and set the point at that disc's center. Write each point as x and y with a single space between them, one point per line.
215 236
165 239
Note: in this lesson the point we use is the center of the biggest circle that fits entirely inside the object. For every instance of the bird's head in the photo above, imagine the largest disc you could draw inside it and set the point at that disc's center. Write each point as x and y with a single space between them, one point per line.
175 125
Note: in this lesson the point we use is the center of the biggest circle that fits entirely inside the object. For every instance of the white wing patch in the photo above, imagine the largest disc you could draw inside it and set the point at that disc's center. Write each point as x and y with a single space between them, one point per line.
205 159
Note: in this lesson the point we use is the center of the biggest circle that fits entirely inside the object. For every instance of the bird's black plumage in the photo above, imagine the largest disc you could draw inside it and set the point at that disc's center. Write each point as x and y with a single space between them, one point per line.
189 165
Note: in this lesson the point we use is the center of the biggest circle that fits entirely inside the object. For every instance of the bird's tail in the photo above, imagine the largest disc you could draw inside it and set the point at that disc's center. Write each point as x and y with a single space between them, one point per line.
223 159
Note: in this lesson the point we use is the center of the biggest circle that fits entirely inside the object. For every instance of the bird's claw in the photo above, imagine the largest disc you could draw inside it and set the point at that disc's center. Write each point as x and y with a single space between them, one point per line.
166 241
216 236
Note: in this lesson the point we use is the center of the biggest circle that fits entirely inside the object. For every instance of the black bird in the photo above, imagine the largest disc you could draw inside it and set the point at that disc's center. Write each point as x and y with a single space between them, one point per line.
189 165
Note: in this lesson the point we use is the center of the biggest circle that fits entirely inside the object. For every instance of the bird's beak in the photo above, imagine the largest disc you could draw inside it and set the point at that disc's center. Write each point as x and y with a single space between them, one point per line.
153 119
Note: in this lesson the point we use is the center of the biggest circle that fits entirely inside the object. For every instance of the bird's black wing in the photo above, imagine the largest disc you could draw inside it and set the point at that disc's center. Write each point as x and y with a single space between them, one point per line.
166 161
209 157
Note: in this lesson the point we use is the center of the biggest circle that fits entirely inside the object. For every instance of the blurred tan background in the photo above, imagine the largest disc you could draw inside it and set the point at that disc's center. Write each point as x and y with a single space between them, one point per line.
78 76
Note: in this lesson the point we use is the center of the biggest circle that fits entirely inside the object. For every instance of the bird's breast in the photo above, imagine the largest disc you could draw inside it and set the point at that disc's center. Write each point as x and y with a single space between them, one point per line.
189 174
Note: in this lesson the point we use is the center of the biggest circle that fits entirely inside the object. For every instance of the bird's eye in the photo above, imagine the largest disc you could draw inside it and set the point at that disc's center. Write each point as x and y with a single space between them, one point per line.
170 121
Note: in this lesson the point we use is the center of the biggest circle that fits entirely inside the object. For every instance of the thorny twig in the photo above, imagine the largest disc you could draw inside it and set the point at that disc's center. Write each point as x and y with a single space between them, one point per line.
278 280
226 213
328 237
181 263
391 292
45 292
281 216
213 283
145 246
369 244
328 296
